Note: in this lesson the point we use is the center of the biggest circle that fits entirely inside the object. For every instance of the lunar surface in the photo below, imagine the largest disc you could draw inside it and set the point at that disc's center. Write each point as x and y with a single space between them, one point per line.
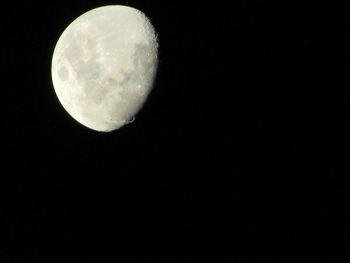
104 65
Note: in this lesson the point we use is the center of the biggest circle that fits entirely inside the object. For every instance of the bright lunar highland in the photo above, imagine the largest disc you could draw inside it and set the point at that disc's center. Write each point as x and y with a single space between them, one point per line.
104 66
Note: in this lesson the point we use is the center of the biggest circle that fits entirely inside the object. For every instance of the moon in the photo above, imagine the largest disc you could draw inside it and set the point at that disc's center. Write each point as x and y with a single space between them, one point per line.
104 65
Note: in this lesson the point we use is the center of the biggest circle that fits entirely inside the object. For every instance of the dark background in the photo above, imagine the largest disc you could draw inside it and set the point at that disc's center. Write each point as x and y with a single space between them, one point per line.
240 154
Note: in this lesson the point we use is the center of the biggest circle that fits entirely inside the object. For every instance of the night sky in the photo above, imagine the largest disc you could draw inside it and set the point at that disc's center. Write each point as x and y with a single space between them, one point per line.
240 154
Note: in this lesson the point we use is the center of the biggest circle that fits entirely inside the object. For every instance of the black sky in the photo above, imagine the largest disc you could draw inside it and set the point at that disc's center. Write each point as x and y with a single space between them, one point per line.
240 154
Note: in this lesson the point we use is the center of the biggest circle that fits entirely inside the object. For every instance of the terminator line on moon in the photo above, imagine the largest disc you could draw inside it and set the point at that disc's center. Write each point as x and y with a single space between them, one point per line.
104 65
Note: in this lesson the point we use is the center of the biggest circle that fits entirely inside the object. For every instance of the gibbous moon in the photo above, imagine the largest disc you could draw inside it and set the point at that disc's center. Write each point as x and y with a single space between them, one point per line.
104 65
